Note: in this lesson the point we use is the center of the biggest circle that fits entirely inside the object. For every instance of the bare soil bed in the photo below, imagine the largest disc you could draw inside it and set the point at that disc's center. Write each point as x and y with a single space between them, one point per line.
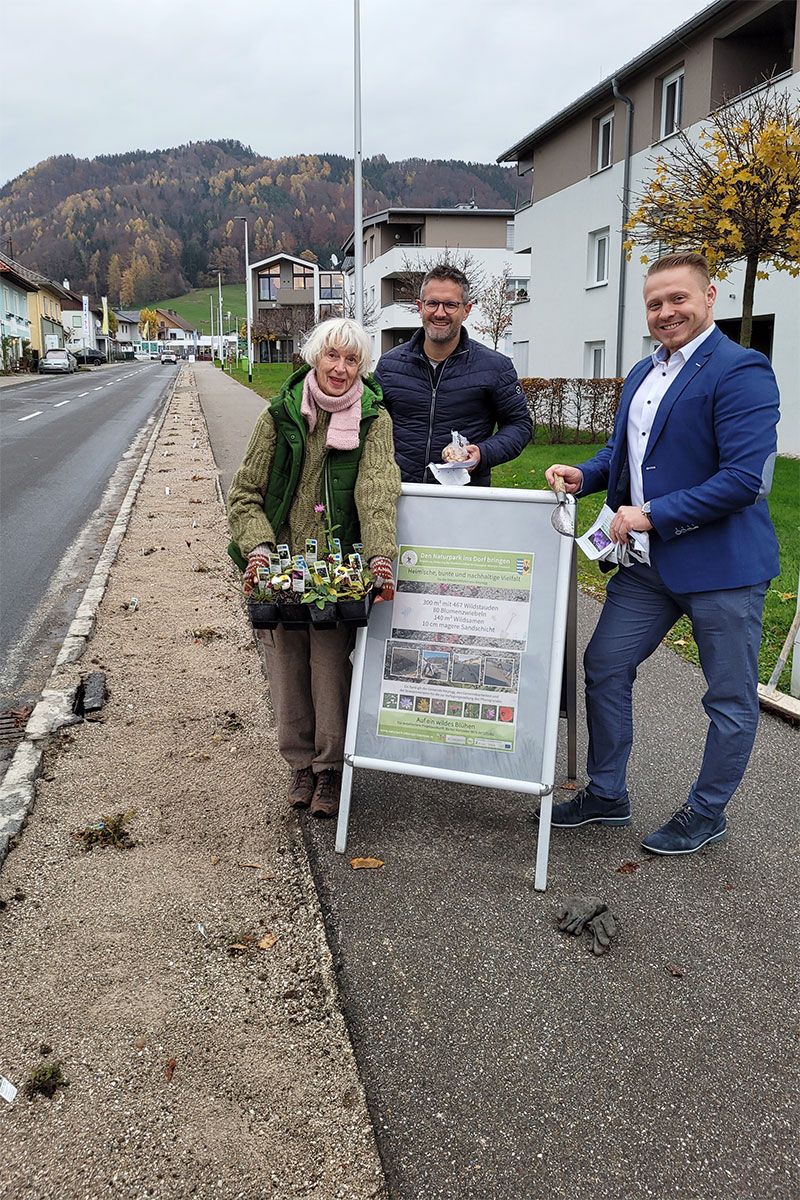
183 984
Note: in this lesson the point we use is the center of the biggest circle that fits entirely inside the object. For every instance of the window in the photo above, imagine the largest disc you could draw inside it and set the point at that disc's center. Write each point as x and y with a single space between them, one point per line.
605 141
330 285
302 278
595 360
509 235
598 257
517 289
268 282
77 321
671 102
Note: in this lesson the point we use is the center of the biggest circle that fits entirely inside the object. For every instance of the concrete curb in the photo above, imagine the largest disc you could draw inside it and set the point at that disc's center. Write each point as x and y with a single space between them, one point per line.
55 707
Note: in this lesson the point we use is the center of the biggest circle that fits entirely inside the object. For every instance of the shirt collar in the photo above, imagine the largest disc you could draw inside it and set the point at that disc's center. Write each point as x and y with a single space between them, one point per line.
659 355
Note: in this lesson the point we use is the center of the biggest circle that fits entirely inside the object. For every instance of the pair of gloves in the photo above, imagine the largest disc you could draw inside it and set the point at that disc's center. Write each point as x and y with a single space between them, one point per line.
590 913
380 567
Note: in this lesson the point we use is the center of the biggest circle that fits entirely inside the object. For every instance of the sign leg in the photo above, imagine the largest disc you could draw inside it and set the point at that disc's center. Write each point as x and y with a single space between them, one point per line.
543 842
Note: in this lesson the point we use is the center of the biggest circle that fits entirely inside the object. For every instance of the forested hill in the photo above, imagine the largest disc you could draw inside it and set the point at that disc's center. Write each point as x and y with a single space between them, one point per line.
156 223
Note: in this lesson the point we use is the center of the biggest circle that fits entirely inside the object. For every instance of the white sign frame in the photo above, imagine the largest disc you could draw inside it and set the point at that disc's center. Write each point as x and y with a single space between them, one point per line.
516 527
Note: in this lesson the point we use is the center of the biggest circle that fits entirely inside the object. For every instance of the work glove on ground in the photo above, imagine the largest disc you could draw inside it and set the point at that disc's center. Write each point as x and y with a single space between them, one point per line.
381 569
577 911
258 557
602 928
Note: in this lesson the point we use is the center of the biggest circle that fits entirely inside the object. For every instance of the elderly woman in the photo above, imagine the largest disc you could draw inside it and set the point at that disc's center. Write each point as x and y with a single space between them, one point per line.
326 441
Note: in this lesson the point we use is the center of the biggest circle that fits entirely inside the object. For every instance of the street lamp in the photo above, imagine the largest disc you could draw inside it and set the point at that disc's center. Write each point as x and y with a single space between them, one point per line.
249 301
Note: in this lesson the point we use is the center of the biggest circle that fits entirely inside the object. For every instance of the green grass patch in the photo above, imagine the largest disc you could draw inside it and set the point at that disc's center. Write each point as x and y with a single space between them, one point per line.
528 470
195 306
268 378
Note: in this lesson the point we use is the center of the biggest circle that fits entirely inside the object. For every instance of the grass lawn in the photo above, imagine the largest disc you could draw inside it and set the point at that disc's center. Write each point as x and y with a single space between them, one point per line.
195 306
528 470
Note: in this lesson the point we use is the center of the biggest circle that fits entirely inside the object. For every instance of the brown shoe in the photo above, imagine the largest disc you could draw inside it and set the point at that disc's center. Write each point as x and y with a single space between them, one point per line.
301 789
325 801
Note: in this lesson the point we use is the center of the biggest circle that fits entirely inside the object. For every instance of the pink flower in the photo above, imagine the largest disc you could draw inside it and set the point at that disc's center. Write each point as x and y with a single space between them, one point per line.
320 508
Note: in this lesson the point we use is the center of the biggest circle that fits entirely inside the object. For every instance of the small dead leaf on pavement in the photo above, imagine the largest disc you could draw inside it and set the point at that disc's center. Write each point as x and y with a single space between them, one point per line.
255 866
360 864
568 787
141 1043
169 1070
676 972
267 941
214 859
205 634
628 868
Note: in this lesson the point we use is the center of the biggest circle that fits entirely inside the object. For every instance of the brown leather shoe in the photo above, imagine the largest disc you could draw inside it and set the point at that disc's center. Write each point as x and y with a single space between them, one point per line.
325 801
301 789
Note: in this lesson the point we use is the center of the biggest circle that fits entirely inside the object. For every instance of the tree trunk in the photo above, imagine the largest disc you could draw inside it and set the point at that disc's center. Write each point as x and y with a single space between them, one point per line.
746 334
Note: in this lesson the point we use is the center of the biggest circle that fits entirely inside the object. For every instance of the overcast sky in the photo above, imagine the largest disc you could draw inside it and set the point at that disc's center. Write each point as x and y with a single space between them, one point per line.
464 79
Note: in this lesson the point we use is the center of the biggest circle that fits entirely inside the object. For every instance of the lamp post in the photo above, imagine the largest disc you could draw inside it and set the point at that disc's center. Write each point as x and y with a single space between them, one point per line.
249 302
358 209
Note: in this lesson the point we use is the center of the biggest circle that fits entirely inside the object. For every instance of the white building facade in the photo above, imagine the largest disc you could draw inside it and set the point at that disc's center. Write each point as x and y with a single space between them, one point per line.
585 315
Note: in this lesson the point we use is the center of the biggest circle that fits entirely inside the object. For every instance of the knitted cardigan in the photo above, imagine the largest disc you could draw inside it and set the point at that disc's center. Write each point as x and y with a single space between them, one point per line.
376 490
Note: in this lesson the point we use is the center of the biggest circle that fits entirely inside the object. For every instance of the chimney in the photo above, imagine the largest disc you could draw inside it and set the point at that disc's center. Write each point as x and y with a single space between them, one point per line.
66 284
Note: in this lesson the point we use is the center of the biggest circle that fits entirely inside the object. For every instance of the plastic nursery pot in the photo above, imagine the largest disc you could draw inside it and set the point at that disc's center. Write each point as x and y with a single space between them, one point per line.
294 616
322 618
264 615
356 612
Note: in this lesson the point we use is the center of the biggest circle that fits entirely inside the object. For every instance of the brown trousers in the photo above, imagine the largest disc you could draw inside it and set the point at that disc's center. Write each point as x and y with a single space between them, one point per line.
309 681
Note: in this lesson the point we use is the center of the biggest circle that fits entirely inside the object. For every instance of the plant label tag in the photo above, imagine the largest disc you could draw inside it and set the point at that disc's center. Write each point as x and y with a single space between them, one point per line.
298 581
336 547
285 556
262 575
321 569
275 564
311 550
355 561
358 547
7 1089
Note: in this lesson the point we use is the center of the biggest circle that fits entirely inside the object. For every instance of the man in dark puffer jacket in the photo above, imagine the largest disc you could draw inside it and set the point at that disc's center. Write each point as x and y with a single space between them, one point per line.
442 380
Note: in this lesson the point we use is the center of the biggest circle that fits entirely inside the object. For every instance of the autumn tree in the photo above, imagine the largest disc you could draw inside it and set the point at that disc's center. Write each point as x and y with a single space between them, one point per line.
495 312
148 318
734 194
114 279
414 270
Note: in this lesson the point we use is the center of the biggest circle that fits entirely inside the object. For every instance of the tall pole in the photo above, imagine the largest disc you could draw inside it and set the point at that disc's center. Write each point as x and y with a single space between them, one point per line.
211 334
219 325
358 205
249 301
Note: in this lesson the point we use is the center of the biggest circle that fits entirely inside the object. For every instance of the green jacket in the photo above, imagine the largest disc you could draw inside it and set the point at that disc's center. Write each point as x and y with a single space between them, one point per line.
289 437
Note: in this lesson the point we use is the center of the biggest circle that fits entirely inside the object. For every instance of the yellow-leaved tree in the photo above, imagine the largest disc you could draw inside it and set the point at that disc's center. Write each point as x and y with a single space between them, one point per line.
734 194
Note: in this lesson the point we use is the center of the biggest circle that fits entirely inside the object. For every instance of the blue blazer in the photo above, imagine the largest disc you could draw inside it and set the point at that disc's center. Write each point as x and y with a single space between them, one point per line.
707 470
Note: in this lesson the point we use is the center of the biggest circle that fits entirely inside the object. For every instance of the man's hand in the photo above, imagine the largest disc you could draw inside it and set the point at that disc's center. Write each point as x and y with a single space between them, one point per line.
381 569
474 455
628 517
573 478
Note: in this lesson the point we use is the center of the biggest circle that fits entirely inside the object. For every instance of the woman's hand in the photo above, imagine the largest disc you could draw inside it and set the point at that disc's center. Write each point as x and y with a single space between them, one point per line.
381 569
259 557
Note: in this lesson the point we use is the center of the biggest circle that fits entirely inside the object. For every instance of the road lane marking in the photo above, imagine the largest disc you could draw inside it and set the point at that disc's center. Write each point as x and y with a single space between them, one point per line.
99 389
38 413
82 394
63 402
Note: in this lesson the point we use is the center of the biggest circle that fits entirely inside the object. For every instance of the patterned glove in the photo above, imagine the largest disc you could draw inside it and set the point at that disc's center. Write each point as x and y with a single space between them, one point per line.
381 569
258 557
603 928
576 912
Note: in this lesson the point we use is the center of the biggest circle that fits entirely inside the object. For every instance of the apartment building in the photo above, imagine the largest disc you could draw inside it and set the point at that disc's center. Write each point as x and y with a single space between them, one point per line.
592 323
400 244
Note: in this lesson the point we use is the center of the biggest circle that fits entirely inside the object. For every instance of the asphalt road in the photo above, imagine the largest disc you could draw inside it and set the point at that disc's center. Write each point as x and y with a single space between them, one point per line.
68 447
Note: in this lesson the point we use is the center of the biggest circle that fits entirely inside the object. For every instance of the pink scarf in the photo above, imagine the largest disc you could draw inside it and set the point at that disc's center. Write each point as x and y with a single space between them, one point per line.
345 412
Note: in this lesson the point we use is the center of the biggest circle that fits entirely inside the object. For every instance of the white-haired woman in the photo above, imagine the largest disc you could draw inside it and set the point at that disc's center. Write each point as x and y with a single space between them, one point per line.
325 440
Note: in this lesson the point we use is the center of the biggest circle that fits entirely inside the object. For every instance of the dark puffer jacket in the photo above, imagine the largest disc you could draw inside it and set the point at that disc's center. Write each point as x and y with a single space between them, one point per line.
477 390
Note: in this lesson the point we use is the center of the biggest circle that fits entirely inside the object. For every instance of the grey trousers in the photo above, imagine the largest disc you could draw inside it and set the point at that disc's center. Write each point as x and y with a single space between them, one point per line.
309 681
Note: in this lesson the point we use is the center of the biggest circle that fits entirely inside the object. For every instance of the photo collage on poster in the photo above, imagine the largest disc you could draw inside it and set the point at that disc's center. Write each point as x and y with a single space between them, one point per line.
452 665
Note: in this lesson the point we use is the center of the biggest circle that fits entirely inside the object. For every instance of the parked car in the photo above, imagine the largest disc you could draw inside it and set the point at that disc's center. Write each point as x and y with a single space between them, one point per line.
58 361
91 358
169 357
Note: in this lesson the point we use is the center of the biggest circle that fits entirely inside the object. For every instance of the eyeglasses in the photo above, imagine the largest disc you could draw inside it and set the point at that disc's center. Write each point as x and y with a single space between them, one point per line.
449 306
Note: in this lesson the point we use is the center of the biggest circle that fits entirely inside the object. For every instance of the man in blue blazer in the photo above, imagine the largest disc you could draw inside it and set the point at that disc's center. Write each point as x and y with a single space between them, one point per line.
690 462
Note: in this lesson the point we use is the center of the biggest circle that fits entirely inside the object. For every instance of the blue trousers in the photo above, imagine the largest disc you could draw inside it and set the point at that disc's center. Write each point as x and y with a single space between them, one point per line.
638 613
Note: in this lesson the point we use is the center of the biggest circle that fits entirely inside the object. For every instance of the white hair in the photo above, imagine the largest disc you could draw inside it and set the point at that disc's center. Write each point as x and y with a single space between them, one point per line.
342 333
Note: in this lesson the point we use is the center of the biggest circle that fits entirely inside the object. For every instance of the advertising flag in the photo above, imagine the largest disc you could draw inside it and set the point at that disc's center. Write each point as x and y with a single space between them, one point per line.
105 315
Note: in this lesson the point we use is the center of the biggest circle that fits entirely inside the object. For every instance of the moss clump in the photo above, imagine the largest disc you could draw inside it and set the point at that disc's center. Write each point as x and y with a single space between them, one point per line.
108 831
45 1080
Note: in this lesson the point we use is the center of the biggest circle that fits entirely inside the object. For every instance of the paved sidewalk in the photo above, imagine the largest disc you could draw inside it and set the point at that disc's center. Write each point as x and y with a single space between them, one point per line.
501 1060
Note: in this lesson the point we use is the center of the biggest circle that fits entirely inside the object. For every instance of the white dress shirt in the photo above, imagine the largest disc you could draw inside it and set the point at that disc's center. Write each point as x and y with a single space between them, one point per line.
644 405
